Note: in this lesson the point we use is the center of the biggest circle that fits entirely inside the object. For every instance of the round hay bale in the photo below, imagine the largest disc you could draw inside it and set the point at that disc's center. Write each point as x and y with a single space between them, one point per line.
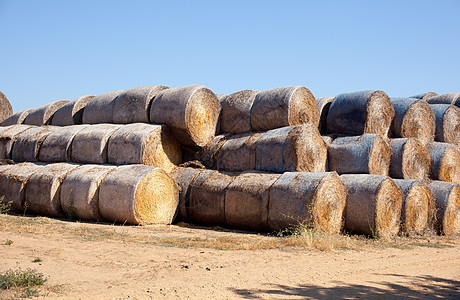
13 179
8 137
43 189
238 153
247 200
293 148
450 98
138 194
208 154
5 107
42 115
57 145
207 198
89 145
183 177
146 144
80 192
27 144
445 160
191 112
418 209
413 118
373 206
17 118
447 199
100 108
323 106
447 123
286 106
360 112
424 96
410 159
133 105
235 115
366 154
316 199
72 112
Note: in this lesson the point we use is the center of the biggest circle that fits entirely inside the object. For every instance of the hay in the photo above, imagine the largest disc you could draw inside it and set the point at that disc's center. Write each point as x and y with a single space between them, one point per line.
138 194
147 144
90 144
282 107
183 177
13 179
413 118
8 137
43 114
72 112
247 201
5 108
445 160
238 153
315 199
418 210
323 106
43 189
28 143
373 206
133 105
410 159
207 155
451 98
328 139
79 196
447 198
424 96
57 145
100 108
235 116
447 123
360 112
366 154
17 118
191 112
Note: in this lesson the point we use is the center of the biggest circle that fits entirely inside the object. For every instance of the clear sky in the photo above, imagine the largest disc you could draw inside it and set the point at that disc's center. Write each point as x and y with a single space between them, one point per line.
52 50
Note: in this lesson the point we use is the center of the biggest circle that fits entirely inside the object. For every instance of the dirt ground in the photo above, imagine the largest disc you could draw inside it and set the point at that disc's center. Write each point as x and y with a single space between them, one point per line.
105 261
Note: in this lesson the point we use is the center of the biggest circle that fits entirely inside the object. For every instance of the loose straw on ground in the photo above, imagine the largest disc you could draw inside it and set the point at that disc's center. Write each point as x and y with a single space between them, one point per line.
447 123
447 198
410 159
43 114
445 162
72 112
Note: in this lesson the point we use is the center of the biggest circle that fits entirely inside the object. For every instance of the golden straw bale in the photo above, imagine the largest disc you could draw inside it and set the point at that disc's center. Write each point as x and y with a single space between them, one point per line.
447 198
447 123
445 162
5 107
235 116
410 159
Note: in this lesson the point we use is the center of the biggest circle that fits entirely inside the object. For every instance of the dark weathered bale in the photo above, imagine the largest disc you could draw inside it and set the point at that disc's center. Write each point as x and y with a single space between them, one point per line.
413 118
191 112
100 108
8 137
373 206
43 189
183 177
235 116
282 107
424 96
323 106
56 147
237 153
451 98
366 154
208 154
447 198
410 159
90 144
72 112
138 194
5 108
447 123
418 210
445 162
361 112
80 192
133 105
147 144
43 115
28 143
314 199
17 118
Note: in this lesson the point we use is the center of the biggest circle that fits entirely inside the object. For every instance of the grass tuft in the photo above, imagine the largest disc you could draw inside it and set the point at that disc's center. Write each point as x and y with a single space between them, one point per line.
21 279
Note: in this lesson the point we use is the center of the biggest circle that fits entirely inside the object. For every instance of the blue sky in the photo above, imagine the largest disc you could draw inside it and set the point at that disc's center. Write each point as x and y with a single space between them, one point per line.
52 50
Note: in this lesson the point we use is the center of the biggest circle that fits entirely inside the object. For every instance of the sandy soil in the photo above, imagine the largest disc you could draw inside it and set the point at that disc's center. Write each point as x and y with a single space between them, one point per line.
102 261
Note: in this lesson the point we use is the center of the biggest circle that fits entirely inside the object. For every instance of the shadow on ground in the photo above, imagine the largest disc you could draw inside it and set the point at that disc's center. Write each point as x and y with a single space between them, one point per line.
403 287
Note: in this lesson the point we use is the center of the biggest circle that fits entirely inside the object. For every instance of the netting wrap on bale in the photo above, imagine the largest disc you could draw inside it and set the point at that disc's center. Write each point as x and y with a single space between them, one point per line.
57 145
447 198
237 153
191 112
28 143
323 107
445 160
410 159
100 108
447 123
71 113
17 118
373 206
8 137
43 114
368 154
138 194
235 116
450 98
5 108
361 112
